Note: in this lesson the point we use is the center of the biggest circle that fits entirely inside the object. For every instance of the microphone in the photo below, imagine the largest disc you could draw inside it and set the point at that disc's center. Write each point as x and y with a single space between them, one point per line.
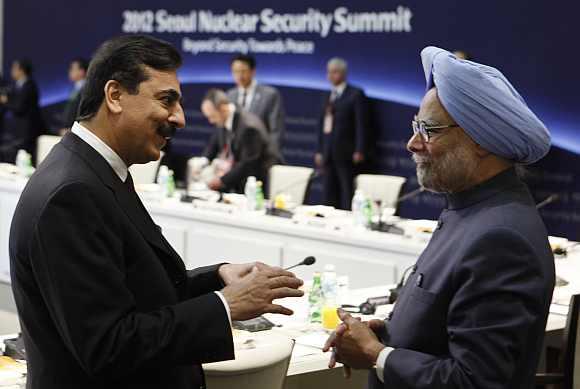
306 261
549 200
408 196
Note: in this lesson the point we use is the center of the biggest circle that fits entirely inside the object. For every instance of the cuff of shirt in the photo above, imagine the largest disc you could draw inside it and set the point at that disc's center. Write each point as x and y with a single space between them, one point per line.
381 360
227 307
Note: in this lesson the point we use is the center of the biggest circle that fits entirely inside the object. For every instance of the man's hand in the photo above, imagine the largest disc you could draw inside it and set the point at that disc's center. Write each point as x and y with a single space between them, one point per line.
354 343
231 273
252 295
358 157
215 184
318 160
3 99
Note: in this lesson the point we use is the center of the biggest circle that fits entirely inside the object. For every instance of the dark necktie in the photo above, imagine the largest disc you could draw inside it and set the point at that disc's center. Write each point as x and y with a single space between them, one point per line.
244 97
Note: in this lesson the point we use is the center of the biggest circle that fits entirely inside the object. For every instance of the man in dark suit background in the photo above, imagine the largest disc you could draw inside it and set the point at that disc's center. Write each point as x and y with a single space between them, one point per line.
472 313
103 299
77 73
241 143
262 100
342 137
26 123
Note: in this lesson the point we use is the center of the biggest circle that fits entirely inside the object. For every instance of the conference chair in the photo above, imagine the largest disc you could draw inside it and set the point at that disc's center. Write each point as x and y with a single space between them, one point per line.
568 376
44 144
260 363
381 187
145 173
292 180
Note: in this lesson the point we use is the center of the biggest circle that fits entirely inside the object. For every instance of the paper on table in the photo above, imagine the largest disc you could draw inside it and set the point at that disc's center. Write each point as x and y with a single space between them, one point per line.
314 339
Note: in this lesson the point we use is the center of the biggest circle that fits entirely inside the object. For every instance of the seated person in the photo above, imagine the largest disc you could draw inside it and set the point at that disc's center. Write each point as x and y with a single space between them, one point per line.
239 148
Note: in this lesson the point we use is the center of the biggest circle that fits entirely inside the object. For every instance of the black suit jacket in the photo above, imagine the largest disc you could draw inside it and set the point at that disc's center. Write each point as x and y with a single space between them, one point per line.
349 126
472 315
26 123
251 149
103 299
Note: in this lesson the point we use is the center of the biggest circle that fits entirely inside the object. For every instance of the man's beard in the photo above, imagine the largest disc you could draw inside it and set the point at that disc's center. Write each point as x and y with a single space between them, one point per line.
446 174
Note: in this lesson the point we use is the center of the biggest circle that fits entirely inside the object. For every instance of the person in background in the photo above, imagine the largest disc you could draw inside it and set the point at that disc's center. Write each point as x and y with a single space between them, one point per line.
104 300
77 73
22 101
472 314
262 100
342 136
239 148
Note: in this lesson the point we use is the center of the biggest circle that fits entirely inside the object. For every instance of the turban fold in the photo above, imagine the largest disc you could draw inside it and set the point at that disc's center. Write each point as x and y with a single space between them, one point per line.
484 103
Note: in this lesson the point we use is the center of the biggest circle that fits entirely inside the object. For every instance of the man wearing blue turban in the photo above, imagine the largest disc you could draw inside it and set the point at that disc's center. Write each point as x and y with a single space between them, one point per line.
472 314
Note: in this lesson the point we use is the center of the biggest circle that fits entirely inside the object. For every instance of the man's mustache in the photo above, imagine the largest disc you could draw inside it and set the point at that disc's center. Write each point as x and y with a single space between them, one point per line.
167 131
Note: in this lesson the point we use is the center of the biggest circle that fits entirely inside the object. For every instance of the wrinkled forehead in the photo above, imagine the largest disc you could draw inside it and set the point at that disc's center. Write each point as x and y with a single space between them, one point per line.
432 110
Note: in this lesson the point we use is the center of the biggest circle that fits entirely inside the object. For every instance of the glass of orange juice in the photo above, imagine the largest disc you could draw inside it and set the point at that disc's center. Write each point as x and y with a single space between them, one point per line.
330 318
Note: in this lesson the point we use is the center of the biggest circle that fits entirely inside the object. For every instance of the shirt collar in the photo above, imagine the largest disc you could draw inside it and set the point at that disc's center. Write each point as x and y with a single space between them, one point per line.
230 120
102 148
339 89
21 82
249 89
79 84
499 183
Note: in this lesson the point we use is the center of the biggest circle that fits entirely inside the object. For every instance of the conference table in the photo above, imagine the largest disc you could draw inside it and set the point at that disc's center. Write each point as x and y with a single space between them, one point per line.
204 232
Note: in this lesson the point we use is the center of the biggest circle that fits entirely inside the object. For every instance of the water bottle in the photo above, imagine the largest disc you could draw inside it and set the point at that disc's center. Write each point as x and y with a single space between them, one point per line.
259 196
250 191
22 162
170 184
358 211
315 300
163 180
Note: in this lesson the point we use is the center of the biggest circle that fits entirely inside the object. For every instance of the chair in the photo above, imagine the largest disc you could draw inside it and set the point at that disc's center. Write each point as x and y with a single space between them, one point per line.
569 375
381 187
145 173
292 180
264 366
44 144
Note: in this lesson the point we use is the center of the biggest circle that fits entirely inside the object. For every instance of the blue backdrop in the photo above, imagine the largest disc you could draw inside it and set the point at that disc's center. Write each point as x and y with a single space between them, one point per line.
530 41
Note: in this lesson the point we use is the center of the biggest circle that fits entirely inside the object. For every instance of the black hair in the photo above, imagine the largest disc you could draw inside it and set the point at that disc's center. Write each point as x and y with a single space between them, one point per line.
250 60
124 60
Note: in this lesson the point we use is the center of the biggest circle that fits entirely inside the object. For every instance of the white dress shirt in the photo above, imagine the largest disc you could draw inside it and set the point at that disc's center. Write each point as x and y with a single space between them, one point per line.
121 170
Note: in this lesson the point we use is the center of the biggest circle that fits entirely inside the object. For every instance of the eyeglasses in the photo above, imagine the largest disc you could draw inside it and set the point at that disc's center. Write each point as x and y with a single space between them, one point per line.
426 131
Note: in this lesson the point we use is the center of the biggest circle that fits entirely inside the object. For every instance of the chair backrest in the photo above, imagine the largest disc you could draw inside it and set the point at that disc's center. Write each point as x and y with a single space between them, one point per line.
571 357
381 187
292 180
264 366
145 173
44 144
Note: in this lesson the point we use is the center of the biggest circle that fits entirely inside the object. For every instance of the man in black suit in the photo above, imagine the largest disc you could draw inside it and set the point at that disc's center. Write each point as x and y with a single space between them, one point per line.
26 123
103 299
342 136
241 143
472 313
77 72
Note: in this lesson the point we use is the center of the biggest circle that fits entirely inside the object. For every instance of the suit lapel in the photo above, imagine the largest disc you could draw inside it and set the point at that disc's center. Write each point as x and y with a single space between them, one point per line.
128 200
255 100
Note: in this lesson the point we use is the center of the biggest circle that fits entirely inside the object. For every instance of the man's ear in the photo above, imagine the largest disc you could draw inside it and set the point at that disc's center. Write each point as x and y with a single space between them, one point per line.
113 91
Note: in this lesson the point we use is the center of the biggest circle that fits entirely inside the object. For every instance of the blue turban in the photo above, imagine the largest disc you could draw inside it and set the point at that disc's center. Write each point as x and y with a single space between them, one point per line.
484 103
